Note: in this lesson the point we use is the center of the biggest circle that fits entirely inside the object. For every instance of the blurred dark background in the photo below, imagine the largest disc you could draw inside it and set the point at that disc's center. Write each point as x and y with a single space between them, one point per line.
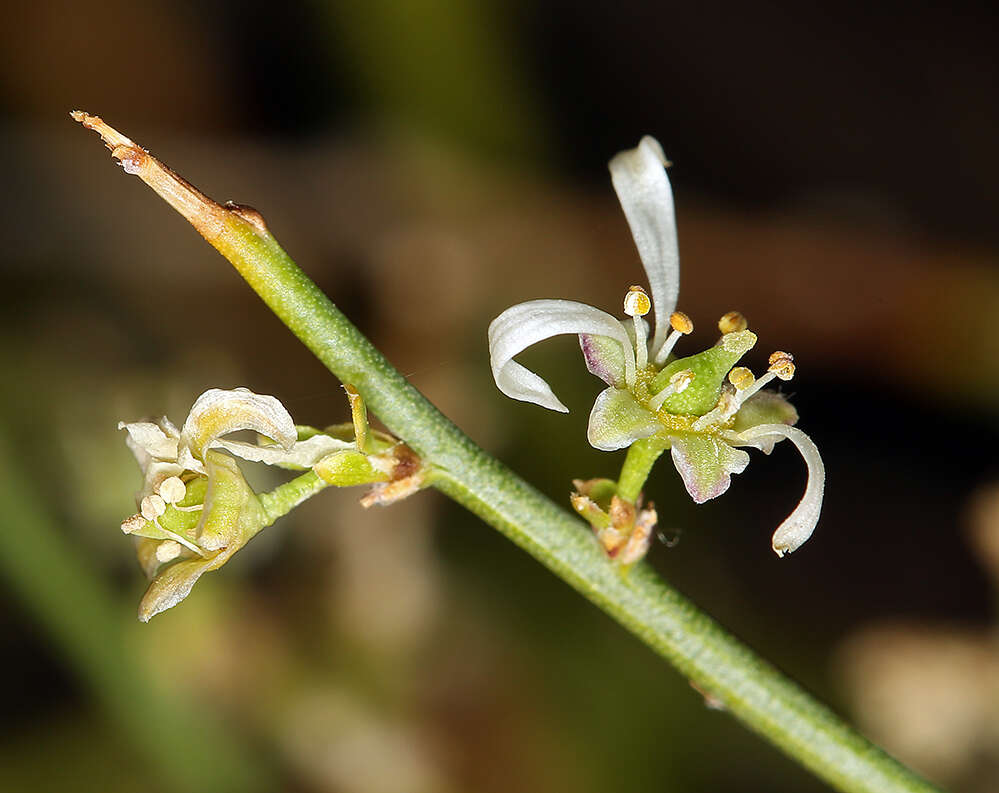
429 163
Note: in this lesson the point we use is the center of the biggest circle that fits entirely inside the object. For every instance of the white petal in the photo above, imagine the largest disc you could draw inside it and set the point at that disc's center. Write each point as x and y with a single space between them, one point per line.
605 358
218 412
525 324
800 524
617 421
706 464
639 177
146 439
303 454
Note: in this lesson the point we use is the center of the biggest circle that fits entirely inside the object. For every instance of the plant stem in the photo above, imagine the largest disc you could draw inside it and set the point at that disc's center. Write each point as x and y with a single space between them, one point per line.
642 455
718 664
285 497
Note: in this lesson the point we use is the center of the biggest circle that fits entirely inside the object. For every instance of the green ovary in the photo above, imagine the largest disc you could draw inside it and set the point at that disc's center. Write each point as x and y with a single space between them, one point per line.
710 368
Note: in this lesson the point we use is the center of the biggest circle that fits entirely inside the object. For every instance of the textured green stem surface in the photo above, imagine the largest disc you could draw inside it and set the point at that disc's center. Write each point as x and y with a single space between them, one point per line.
285 497
717 663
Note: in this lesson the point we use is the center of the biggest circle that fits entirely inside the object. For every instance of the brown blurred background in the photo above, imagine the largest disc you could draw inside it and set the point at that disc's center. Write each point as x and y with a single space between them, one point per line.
429 163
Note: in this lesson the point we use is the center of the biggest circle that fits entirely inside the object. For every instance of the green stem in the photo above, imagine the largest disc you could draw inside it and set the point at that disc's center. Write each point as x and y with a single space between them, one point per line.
642 455
284 498
718 664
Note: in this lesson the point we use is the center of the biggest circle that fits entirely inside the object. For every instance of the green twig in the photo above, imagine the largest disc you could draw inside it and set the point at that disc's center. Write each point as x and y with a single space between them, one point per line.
285 497
718 664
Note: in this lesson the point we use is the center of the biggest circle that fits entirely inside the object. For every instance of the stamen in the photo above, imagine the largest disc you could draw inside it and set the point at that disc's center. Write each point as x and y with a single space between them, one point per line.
781 366
167 551
172 490
681 325
677 384
636 305
132 524
741 377
152 507
732 322
183 541
636 302
728 406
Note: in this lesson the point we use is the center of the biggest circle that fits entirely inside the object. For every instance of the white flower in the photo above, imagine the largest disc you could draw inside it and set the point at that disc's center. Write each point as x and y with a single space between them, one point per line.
699 407
195 508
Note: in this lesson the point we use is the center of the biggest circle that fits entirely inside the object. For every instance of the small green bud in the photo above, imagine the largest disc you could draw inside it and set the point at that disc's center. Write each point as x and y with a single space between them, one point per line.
348 467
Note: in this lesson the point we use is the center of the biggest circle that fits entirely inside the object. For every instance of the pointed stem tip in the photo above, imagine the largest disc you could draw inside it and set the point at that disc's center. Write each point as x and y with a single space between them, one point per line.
207 216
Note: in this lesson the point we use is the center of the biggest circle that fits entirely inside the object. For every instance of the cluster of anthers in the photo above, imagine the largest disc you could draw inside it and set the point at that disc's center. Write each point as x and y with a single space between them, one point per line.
703 408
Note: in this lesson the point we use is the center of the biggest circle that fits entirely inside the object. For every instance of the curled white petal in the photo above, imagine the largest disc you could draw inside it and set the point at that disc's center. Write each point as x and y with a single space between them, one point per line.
800 524
639 177
148 440
525 324
303 454
218 412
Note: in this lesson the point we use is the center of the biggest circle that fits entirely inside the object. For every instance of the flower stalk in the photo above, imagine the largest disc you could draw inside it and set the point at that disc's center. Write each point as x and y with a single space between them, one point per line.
642 455
715 662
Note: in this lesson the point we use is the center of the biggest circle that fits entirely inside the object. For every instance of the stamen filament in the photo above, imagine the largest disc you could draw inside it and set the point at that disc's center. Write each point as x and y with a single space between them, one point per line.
677 383
636 306
762 381
781 365
728 405
667 347
174 536
630 373
681 325
641 344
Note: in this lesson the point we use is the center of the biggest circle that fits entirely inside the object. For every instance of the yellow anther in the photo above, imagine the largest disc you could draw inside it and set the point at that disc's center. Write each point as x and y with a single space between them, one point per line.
741 377
172 489
732 321
636 302
782 365
152 507
681 380
680 322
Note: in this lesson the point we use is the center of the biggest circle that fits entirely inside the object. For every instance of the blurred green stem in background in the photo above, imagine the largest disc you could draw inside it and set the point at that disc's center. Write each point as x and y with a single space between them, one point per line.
188 752
440 67
717 664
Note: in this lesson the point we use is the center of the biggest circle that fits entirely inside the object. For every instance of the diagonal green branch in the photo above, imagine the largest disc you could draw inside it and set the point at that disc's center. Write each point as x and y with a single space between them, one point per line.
717 663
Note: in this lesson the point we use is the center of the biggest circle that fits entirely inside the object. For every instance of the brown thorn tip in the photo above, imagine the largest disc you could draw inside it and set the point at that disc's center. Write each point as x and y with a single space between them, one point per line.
112 138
